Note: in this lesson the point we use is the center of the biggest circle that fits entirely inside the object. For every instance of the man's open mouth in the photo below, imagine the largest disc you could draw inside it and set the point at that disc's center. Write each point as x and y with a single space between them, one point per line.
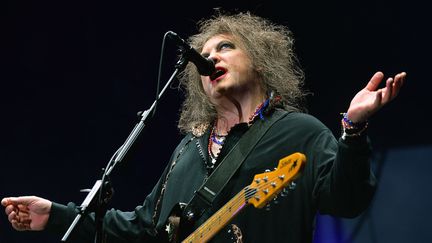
219 72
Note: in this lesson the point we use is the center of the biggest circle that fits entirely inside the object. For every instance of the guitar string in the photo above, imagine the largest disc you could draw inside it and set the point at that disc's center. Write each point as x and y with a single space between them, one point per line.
238 201
236 204
201 232
249 192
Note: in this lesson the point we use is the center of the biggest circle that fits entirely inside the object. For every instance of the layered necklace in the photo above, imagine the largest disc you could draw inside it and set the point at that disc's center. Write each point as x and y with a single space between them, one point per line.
219 139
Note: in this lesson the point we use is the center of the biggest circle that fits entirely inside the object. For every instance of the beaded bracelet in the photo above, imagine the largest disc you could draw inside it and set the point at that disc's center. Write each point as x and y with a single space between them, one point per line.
352 129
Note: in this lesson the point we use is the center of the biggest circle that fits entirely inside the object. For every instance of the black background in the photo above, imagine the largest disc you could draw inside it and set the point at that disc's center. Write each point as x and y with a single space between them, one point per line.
74 74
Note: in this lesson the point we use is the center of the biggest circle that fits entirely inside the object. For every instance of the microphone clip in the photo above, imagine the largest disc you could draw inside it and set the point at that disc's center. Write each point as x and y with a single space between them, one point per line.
204 65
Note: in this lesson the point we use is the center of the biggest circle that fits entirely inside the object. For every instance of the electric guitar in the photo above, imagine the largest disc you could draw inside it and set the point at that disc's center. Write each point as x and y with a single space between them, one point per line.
264 187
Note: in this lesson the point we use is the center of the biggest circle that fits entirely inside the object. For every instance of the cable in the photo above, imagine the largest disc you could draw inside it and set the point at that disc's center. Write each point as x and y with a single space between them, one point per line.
159 71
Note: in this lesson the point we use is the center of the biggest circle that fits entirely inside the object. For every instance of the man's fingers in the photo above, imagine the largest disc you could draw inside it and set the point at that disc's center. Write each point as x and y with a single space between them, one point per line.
22 207
396 85
9 209
388 91
19 220
20 226
375 81
16 208
17 211
9 200
399 81
6 201
12 217
24 200
378 98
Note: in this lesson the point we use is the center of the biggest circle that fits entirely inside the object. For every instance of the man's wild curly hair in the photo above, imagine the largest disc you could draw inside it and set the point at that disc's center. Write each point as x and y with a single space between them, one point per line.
270 48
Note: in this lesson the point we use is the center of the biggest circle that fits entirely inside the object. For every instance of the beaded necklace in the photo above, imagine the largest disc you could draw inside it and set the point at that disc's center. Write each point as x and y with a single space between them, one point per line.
220 139
215 137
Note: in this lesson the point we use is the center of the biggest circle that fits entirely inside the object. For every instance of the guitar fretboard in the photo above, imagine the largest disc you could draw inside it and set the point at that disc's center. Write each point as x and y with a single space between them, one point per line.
221 218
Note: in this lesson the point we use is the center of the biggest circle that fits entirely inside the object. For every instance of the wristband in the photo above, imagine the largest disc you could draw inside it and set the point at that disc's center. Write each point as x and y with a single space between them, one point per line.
352 129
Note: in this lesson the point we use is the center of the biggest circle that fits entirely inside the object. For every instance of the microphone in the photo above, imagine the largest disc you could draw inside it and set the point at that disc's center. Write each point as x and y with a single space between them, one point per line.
204 65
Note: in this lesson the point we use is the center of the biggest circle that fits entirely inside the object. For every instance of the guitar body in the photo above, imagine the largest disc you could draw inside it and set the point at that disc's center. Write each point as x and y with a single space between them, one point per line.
177 227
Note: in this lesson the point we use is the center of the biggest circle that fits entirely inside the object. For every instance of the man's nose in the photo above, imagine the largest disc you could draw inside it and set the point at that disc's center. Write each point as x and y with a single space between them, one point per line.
214 57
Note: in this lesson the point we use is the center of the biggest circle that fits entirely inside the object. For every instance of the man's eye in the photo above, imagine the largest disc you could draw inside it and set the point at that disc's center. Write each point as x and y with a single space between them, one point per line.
226 46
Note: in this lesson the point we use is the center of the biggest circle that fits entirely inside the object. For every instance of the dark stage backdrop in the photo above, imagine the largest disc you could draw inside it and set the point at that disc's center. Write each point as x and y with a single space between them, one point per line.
75 73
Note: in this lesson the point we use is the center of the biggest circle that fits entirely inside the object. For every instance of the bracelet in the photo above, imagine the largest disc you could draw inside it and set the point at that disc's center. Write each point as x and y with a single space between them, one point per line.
347 123
352 129
352 132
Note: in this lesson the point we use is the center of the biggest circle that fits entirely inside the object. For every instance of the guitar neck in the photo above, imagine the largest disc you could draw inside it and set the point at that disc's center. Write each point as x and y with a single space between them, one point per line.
219 220
263 188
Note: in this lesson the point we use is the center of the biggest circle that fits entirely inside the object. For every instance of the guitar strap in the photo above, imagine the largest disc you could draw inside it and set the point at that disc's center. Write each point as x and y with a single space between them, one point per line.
204 197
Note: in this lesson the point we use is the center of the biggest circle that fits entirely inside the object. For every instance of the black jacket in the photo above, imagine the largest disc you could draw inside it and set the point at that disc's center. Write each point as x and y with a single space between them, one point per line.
336 180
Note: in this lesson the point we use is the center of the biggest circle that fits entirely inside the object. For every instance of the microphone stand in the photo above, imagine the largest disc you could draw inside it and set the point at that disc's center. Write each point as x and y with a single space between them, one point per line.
101 192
